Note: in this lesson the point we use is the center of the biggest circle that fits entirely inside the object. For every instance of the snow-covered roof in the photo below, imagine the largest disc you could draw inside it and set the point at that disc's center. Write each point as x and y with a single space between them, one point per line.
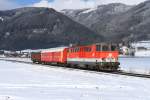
1 19
145 44
57 49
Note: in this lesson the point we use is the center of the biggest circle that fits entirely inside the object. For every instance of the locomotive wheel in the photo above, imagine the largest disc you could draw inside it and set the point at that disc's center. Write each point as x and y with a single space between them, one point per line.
87 67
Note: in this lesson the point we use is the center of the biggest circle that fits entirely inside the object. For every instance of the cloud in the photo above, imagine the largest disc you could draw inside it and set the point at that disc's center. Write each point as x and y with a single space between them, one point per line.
42 3
78 4
7 4
65 4
128 2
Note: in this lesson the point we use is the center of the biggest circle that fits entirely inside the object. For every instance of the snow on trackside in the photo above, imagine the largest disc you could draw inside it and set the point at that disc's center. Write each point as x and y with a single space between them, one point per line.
5 97
2 56
139 65
34 82
16 58
144 53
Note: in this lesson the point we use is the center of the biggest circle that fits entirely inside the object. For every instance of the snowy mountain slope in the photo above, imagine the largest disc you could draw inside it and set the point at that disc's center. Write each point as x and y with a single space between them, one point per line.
99 17
92 16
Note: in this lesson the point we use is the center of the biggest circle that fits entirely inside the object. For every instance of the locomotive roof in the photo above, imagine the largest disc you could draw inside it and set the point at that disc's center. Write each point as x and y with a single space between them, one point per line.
103 43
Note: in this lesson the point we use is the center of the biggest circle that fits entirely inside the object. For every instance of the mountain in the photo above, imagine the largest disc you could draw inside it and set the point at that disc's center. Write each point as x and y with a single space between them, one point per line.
98 18
133 25
116 22
33 28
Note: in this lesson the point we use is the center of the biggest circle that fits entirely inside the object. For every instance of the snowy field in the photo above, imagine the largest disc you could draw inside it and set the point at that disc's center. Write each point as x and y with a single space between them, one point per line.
17 59
34 82
136 65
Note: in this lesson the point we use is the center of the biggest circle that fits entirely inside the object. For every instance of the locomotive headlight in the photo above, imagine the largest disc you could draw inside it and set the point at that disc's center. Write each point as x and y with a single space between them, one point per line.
110 60
115 60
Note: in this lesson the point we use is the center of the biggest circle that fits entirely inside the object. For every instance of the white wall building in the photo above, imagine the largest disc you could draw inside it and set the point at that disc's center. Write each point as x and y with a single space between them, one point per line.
145 44
142 48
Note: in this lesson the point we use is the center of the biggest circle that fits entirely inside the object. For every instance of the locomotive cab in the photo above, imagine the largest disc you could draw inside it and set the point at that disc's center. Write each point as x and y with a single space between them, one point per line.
108 53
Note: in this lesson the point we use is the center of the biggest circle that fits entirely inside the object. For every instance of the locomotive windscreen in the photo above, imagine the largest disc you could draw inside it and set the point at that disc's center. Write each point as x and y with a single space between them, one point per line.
106 47
113 47
102 48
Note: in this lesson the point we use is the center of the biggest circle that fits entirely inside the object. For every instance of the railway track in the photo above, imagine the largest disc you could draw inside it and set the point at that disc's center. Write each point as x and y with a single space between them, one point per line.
91 71
131 74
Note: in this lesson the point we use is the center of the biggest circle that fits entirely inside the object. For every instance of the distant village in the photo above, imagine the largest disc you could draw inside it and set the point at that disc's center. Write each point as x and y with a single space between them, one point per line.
137 49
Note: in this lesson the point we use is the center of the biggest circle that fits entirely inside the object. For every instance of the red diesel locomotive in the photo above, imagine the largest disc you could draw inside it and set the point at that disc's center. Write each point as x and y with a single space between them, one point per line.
100 57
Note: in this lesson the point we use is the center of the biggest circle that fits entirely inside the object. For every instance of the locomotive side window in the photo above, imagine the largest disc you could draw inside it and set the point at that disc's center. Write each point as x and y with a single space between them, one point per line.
74 50
87 49
105 48
77 49
71 50
98 47
113 48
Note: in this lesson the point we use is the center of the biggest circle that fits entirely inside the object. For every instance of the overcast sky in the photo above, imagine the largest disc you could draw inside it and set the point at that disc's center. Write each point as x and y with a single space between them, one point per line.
61 4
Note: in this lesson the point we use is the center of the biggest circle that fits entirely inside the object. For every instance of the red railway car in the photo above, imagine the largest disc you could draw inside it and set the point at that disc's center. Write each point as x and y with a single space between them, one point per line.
54 55
36 57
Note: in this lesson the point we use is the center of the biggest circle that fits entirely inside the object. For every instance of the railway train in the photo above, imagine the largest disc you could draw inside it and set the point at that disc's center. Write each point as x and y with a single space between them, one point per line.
100 57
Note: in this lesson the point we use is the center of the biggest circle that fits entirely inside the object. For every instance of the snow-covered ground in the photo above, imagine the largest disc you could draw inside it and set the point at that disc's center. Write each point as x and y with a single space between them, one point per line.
144 53
2 56
17 59
34 82
137 65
